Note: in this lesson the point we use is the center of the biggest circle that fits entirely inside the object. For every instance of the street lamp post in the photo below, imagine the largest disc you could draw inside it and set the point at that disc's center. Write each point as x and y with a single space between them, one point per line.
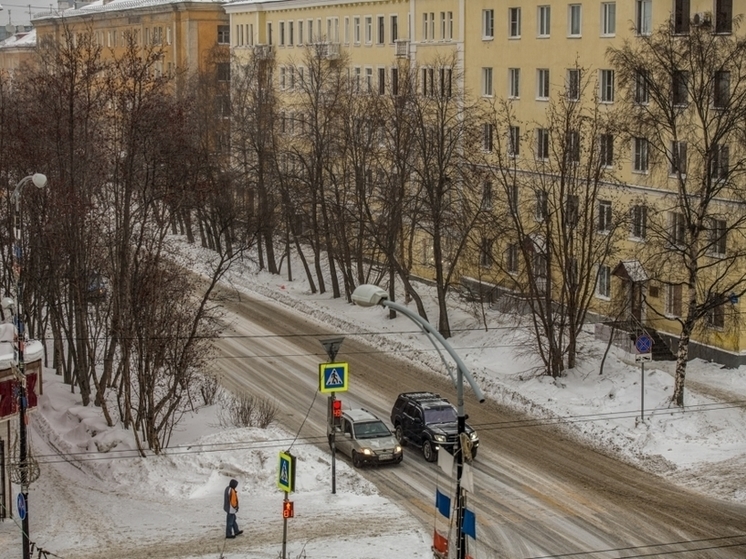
367 295
40 181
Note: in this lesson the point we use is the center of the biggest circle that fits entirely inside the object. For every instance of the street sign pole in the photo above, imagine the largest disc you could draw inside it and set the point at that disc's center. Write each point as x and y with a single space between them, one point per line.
642 390
332 346
284 529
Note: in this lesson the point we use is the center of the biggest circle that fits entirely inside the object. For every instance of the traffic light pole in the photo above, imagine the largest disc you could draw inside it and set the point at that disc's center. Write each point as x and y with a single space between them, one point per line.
284 528
332 443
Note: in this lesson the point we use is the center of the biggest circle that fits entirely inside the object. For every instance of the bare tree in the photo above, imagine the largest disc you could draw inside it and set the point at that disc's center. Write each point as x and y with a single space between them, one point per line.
547 208
445 137
687 107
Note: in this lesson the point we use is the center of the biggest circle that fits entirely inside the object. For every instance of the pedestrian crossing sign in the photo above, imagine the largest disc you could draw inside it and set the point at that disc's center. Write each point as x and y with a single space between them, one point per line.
286 472
333 377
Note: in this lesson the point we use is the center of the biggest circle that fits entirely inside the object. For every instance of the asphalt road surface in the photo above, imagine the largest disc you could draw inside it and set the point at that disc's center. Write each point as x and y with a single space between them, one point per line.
539 493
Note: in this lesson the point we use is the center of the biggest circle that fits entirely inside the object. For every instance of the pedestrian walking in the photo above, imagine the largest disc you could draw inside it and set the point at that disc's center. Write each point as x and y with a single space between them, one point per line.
230 506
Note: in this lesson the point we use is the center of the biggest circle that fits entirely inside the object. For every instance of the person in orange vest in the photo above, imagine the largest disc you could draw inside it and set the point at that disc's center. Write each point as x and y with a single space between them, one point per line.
230 506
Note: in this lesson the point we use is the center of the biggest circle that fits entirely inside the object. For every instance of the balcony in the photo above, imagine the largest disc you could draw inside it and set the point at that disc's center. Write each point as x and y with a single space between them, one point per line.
402 48
264 52
330 51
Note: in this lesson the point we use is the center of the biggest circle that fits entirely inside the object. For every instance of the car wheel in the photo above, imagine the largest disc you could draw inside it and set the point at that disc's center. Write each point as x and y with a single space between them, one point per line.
429 452
356 461
399 434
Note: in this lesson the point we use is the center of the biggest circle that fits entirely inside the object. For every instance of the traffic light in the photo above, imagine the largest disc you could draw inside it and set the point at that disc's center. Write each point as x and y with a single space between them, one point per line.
337 408
287 509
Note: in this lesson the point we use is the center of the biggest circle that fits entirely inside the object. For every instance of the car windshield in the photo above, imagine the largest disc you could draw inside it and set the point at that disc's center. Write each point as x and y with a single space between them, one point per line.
371 430
446 414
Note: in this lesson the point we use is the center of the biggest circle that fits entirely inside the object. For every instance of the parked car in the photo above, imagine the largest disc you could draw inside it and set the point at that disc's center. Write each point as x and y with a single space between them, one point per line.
366 439
430 422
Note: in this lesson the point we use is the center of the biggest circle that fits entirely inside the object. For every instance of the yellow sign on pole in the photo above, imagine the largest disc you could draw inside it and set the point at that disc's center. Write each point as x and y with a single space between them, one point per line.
333 377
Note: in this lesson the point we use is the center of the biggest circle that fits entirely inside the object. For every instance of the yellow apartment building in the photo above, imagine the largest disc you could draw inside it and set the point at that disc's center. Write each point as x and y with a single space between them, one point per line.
526 53
188 31
17 50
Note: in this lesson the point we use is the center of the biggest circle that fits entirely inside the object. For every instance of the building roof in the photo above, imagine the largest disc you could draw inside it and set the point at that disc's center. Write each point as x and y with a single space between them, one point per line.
118 5
23 39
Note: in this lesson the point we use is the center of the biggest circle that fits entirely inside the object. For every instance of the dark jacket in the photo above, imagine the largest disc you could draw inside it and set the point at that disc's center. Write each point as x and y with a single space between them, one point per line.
227 495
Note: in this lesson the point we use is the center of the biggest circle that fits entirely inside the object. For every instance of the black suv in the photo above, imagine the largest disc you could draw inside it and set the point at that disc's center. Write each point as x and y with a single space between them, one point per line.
428 421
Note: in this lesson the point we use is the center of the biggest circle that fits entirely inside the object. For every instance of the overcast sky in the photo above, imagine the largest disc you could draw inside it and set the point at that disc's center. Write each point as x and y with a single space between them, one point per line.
19 10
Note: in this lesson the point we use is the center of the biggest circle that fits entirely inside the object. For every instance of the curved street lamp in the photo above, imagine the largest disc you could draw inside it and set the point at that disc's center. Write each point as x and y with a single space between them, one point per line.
40 181
368 295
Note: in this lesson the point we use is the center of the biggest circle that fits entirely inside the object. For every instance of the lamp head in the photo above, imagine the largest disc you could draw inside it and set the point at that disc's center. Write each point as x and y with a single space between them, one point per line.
8 303
368 295
39 180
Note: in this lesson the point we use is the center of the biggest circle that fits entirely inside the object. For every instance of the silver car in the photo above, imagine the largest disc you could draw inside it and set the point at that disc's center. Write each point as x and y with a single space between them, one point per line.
366 439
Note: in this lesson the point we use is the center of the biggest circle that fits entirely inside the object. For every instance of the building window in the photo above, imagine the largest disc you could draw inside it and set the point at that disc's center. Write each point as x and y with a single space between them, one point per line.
368 30
394 81
680 88
604 216
369 80
487 136
513 198
608 19
572 146
681 16
723 16
644 17
719 162
603 282
224 34
607 86
487 82
381 30
448 27
541 211
446 75
485 252
511 258
269 33
488 24
717 235
677 158
641 162
573 20
428 26
673 299
394 28
382 81
571 210
639 225
283 77
573 84
355 30
487 195
606 150
678 229
514 83
721 90
358 79
224 71
542 84
282 33
514 141
514 22
346 31
542 144
716 317
642 88
428 82
544 17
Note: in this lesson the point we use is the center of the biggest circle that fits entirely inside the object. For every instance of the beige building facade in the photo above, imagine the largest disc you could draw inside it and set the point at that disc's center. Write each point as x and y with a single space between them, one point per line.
526 53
